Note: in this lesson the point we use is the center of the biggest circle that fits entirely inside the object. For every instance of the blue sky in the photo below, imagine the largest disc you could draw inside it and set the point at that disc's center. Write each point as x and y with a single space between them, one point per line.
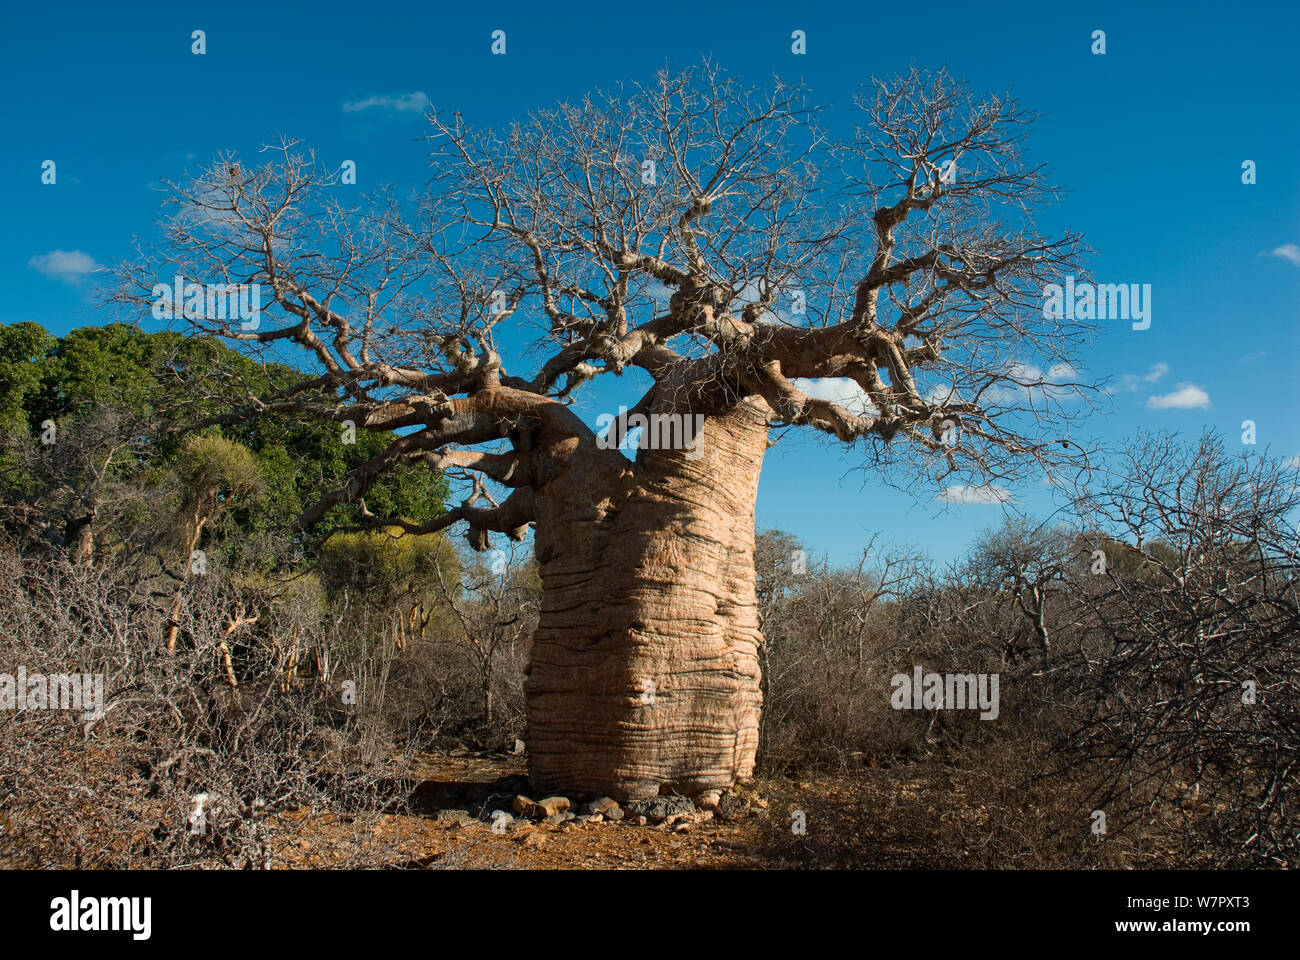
1149 139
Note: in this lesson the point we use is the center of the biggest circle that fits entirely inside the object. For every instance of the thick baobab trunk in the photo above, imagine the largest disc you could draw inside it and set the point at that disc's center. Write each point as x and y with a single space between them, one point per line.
644 675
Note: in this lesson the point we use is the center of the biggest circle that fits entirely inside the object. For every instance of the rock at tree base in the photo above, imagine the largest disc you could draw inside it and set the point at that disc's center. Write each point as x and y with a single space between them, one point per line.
733 806
553 805
599 805
660 808
526 807
708 800
454 816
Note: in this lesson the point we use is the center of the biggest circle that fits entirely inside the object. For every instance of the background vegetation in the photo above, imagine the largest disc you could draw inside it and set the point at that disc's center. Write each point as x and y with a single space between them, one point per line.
1145 640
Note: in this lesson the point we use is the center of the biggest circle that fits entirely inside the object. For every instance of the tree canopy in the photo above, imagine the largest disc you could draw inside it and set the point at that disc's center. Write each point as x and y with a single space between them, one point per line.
159 386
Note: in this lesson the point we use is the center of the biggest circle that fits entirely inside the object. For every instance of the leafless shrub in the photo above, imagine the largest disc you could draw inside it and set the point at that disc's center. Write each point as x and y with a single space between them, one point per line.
832 642
1147 648
196 751
1186 677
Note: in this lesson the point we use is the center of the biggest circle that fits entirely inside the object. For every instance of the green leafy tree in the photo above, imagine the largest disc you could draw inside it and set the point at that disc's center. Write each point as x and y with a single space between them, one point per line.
157 385
215 476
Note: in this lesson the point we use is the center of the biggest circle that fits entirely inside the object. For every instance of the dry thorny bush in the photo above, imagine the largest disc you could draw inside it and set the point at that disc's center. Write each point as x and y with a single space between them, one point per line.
1185 675
182 768
1148 662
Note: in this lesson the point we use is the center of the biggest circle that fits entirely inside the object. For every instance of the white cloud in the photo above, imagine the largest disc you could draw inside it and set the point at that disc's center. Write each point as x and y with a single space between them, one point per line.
1156 372
1188 396
1291 463
988 493
1131 381
416 102
1288 251
66 265
941 393
847 393
1026 382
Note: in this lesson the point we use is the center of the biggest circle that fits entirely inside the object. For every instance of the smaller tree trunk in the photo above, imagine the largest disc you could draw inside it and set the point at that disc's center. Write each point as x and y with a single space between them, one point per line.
178 598
79 537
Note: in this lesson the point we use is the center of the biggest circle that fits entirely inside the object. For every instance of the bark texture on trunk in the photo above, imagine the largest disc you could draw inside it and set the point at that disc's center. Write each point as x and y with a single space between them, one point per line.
644 674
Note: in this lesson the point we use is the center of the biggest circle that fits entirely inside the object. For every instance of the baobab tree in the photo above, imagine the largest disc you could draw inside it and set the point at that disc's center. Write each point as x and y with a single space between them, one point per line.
703 237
